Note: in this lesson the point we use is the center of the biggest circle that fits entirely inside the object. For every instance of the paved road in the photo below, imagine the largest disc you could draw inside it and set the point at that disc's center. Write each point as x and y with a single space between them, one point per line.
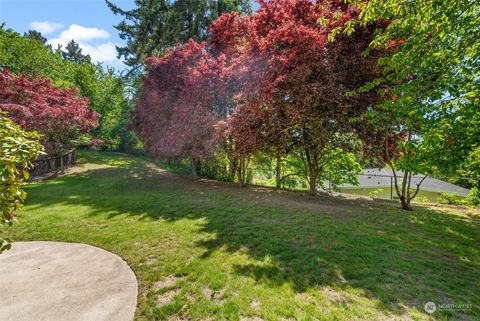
50 281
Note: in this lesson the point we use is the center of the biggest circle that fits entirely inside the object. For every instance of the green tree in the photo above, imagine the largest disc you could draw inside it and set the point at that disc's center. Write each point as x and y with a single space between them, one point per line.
108 95
36 35
431 84
24 55
155 25
73 52
104 87
470 168
17 149
337 167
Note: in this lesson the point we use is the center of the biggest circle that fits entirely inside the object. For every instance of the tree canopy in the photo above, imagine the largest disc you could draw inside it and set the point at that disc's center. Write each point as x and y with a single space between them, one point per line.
156 25
36 35
73 52
36 104
269 81
430 83
106 90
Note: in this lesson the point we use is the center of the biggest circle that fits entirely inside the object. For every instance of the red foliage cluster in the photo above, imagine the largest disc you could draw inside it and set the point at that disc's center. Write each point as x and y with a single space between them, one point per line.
97 143
259 83
36 104
175 114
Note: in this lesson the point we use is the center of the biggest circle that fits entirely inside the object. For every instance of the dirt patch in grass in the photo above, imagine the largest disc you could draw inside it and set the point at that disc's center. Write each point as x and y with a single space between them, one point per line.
82 168
251 319
334 296
255 304
169 282
151 260
167 297
177 318
216 296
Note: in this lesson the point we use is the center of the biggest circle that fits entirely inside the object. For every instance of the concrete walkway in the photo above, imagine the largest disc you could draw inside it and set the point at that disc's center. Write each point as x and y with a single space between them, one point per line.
50 281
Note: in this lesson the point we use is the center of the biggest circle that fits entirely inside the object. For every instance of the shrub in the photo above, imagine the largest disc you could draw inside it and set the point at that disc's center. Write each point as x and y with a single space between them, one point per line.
35 103
448 198
474 198
17 149
96 143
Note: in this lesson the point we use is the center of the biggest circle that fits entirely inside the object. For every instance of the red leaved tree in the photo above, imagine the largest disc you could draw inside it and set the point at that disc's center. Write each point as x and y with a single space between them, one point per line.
269 82
181 101
295 82
34 103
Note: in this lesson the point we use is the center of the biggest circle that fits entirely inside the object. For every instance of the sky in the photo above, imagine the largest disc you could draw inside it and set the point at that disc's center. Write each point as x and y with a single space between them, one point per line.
88 22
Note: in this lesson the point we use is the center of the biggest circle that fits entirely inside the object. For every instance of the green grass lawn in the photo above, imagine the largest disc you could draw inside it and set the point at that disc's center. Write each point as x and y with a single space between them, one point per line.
213 251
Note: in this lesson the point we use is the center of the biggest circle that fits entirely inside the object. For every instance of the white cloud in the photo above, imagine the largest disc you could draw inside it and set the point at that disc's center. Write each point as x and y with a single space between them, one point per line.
87 39
45 26
81 33
103 52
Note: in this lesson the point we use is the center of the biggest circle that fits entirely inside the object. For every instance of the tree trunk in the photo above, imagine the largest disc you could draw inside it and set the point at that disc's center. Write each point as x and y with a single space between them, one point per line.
311 164
405 201
232 169
242 171
405 196
194 167
278 178
61 164
312 182
240 174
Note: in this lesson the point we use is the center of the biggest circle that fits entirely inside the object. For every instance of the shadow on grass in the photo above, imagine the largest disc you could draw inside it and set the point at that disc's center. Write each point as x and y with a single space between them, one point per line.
399 258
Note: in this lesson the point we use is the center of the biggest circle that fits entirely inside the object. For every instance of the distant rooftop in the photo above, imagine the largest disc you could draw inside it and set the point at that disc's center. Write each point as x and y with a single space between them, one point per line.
380 177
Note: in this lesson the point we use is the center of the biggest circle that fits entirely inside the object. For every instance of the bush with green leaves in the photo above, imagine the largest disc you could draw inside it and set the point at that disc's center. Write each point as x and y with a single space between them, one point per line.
473 198
17 149
448 198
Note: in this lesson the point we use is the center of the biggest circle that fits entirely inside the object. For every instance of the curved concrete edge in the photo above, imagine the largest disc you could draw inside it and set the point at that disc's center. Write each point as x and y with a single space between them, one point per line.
42 280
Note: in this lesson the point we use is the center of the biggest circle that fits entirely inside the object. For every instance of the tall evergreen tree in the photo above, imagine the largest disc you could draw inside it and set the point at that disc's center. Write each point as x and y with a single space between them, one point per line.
155 25
35 35
73 52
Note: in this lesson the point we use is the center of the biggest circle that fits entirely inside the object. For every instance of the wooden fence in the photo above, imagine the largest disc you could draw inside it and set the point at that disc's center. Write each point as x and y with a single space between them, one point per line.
52 165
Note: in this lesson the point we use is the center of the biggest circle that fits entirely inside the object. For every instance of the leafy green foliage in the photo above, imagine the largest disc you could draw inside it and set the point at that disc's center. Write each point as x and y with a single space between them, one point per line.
448 198
473 198
17 149
107 94
343 168
36 35
431 80
106 91
338 167
470 167
24 55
